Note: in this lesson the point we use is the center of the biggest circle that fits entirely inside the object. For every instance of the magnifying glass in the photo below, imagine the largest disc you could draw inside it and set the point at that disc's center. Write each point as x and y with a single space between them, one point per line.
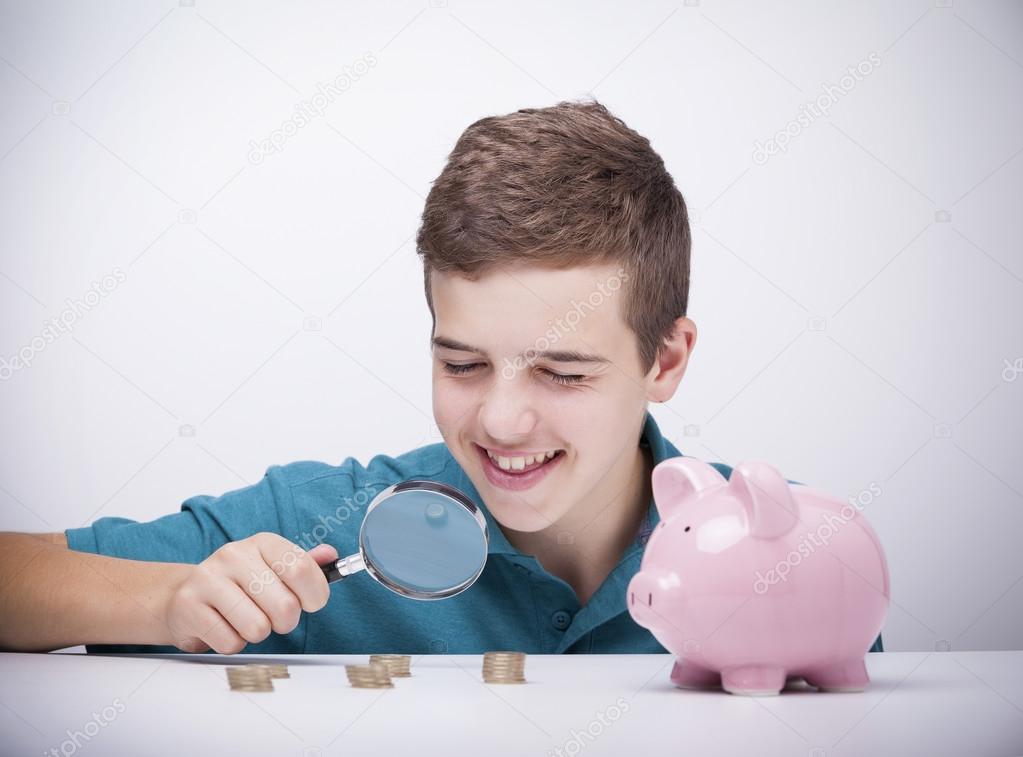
421 539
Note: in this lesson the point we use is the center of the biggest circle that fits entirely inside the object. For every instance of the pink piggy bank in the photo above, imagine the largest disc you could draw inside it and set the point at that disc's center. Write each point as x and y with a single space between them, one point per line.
749 581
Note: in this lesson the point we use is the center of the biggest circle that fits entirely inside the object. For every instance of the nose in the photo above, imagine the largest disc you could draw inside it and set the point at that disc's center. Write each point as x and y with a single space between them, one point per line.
506 412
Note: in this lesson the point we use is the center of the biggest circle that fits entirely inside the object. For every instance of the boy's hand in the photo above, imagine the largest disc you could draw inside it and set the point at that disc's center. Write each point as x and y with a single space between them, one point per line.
246 589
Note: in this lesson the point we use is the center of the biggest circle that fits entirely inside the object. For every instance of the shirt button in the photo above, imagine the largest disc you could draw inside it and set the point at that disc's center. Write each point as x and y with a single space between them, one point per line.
561 619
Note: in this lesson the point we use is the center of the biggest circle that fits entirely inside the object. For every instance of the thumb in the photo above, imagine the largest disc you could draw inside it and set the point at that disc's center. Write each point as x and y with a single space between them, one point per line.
323 554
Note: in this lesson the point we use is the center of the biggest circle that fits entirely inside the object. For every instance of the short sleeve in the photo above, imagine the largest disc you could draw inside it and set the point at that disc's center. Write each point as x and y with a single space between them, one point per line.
204 524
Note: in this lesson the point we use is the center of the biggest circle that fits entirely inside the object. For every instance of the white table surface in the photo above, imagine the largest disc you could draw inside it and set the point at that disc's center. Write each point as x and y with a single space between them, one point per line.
954 703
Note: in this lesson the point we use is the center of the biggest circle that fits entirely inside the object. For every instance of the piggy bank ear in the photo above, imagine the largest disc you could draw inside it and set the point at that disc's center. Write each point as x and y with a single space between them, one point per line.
678 478
765 494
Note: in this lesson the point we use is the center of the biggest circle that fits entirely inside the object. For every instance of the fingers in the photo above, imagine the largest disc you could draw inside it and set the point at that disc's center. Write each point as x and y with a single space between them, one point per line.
216 633
193 645
238 609
275 599
323 554
198 626
246 590
297 570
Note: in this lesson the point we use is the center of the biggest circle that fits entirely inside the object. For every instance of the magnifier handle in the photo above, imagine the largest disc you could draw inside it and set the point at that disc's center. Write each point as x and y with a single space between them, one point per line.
331 572
346 566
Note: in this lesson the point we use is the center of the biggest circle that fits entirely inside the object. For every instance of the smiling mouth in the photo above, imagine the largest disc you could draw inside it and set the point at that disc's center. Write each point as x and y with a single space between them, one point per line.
518 464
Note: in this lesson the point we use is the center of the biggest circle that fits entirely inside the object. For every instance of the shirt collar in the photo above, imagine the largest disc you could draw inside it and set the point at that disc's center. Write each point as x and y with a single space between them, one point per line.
498 544
661 449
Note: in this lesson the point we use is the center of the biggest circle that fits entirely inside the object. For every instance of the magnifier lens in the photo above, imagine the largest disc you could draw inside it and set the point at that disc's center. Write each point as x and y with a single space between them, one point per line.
422 541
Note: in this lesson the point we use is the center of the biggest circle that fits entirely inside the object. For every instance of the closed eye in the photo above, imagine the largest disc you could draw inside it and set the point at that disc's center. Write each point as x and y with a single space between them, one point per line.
457 369
561 378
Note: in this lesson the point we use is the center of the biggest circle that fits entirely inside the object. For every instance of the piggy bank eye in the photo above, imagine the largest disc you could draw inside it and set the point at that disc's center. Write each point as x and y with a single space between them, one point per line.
687 528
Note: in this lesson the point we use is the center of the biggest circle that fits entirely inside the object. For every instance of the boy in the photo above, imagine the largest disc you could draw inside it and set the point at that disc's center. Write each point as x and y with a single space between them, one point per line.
556 265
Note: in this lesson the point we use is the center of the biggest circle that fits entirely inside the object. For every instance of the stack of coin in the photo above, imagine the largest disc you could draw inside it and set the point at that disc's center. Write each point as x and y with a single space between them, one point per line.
504 667
245 678
275 669
372 676
397 664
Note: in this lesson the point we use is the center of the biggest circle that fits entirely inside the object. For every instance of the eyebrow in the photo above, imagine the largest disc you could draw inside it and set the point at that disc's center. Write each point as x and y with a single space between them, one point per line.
557 356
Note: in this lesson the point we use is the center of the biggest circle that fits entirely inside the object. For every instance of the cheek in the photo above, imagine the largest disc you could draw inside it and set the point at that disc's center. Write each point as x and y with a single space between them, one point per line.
444 403
590 418
454 402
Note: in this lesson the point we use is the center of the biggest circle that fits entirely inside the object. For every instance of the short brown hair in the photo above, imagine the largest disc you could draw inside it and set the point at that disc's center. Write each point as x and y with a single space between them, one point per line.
562 186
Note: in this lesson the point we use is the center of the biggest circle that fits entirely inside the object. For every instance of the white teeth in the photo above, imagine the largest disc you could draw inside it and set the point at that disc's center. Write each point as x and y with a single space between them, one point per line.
518 463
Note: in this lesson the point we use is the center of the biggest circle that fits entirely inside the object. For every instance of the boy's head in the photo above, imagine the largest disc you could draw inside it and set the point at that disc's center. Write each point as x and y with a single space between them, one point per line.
555 244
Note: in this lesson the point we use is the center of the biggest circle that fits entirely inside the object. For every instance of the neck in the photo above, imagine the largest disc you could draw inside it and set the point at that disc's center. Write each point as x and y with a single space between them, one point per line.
588 542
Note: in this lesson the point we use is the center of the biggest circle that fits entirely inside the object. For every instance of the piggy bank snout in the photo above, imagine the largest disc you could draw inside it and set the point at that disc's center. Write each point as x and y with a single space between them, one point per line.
642 598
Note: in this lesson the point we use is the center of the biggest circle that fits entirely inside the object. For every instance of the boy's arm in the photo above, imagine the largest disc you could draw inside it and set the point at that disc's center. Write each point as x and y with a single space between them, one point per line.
53 597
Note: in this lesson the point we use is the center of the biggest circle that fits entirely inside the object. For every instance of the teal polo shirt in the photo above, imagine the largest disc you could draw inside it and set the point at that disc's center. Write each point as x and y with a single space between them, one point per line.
515 603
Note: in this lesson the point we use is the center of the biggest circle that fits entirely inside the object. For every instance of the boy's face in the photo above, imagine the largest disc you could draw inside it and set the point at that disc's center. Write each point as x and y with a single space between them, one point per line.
494 388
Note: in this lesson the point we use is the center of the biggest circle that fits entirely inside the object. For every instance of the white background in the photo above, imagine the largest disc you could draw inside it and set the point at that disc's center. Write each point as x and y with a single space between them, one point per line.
858 296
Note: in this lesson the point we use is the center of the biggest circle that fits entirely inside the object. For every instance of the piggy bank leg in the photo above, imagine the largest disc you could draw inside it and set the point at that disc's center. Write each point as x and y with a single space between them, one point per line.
754 680
850 675
685 675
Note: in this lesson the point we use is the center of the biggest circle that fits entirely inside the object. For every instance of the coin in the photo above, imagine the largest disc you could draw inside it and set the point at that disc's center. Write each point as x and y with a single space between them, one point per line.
244 678
276 669
504 667
397 664
372 676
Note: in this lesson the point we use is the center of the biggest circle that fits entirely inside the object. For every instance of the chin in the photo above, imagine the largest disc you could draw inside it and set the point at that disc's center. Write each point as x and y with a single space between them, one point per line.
519 516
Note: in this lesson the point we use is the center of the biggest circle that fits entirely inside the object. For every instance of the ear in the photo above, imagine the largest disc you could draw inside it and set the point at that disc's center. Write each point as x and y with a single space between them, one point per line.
678 478
672 359
770 507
